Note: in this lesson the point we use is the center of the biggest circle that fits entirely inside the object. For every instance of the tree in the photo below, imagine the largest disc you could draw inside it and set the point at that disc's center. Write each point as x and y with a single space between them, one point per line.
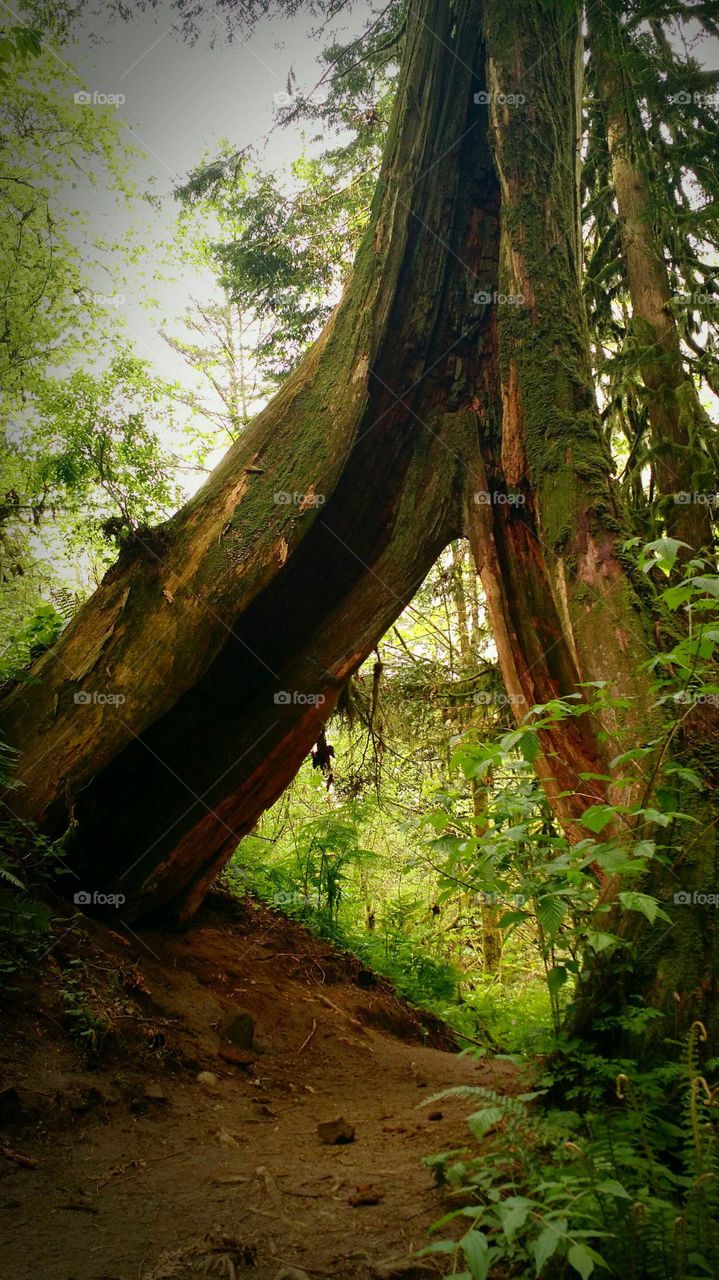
450 393
678 424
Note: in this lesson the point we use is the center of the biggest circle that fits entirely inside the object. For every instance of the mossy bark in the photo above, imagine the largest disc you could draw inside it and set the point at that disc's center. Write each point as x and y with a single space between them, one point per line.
241 596
676 417
565 607
548 543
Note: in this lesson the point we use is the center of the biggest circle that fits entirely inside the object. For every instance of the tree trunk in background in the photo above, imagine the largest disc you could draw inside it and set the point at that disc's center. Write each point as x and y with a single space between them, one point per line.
491 935
676 417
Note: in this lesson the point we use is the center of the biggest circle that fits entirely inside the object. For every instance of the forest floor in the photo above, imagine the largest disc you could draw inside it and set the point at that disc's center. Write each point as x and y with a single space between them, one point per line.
118 1163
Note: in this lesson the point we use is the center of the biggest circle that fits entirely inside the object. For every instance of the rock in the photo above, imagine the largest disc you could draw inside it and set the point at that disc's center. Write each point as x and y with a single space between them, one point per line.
238 1057
366 1194
335 1132
209 1081
228 1139
154 1092
240 1030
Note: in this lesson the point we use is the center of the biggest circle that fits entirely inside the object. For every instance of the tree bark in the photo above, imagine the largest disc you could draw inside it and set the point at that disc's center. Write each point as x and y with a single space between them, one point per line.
676 417
565 606
282 573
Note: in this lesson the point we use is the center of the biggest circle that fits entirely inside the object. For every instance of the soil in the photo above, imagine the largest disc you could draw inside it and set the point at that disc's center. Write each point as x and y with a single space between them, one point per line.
119 1163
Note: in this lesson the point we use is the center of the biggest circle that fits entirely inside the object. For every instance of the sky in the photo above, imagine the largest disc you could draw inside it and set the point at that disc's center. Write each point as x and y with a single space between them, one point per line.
175 101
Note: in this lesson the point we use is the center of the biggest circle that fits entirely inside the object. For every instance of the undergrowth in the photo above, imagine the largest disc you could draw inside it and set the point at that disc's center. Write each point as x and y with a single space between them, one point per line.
631 1189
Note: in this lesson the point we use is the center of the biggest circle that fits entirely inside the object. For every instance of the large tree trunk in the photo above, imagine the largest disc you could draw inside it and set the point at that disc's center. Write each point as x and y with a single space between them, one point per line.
422 413
548 541
676 417
242 596
563 605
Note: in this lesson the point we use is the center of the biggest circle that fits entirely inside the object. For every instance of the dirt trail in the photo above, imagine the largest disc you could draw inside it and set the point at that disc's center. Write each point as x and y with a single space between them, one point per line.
145 1173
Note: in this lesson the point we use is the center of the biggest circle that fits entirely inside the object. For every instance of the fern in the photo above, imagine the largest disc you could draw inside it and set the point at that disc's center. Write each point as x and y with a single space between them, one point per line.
622 1189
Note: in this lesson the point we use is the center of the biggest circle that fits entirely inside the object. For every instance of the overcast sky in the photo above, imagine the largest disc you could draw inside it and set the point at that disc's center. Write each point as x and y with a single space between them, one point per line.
179 101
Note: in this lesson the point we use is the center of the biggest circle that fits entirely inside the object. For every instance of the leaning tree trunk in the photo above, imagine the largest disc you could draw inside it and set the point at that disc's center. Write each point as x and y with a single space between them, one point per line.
676 416
229 632
430 407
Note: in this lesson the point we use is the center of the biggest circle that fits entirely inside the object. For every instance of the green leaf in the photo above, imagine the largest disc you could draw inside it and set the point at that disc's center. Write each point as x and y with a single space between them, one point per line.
636 753
546 1244
662 553
600 941
550 913
642 902
512 917
529 747
610 1187
513 1213
480 1122
581 1259
597 817
556 979
653 815
674 596
475 1247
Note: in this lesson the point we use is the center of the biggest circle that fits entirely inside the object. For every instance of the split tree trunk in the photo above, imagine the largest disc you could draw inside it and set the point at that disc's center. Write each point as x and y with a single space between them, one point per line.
281 574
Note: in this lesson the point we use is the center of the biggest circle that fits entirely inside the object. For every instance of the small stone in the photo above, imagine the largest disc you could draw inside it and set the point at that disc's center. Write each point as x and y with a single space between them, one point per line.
366 1194
240 1030
154 1092
209 1081
336 1133
238 1057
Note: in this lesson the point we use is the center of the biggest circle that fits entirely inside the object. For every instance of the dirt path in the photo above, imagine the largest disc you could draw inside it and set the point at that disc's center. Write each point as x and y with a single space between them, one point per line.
145 1173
